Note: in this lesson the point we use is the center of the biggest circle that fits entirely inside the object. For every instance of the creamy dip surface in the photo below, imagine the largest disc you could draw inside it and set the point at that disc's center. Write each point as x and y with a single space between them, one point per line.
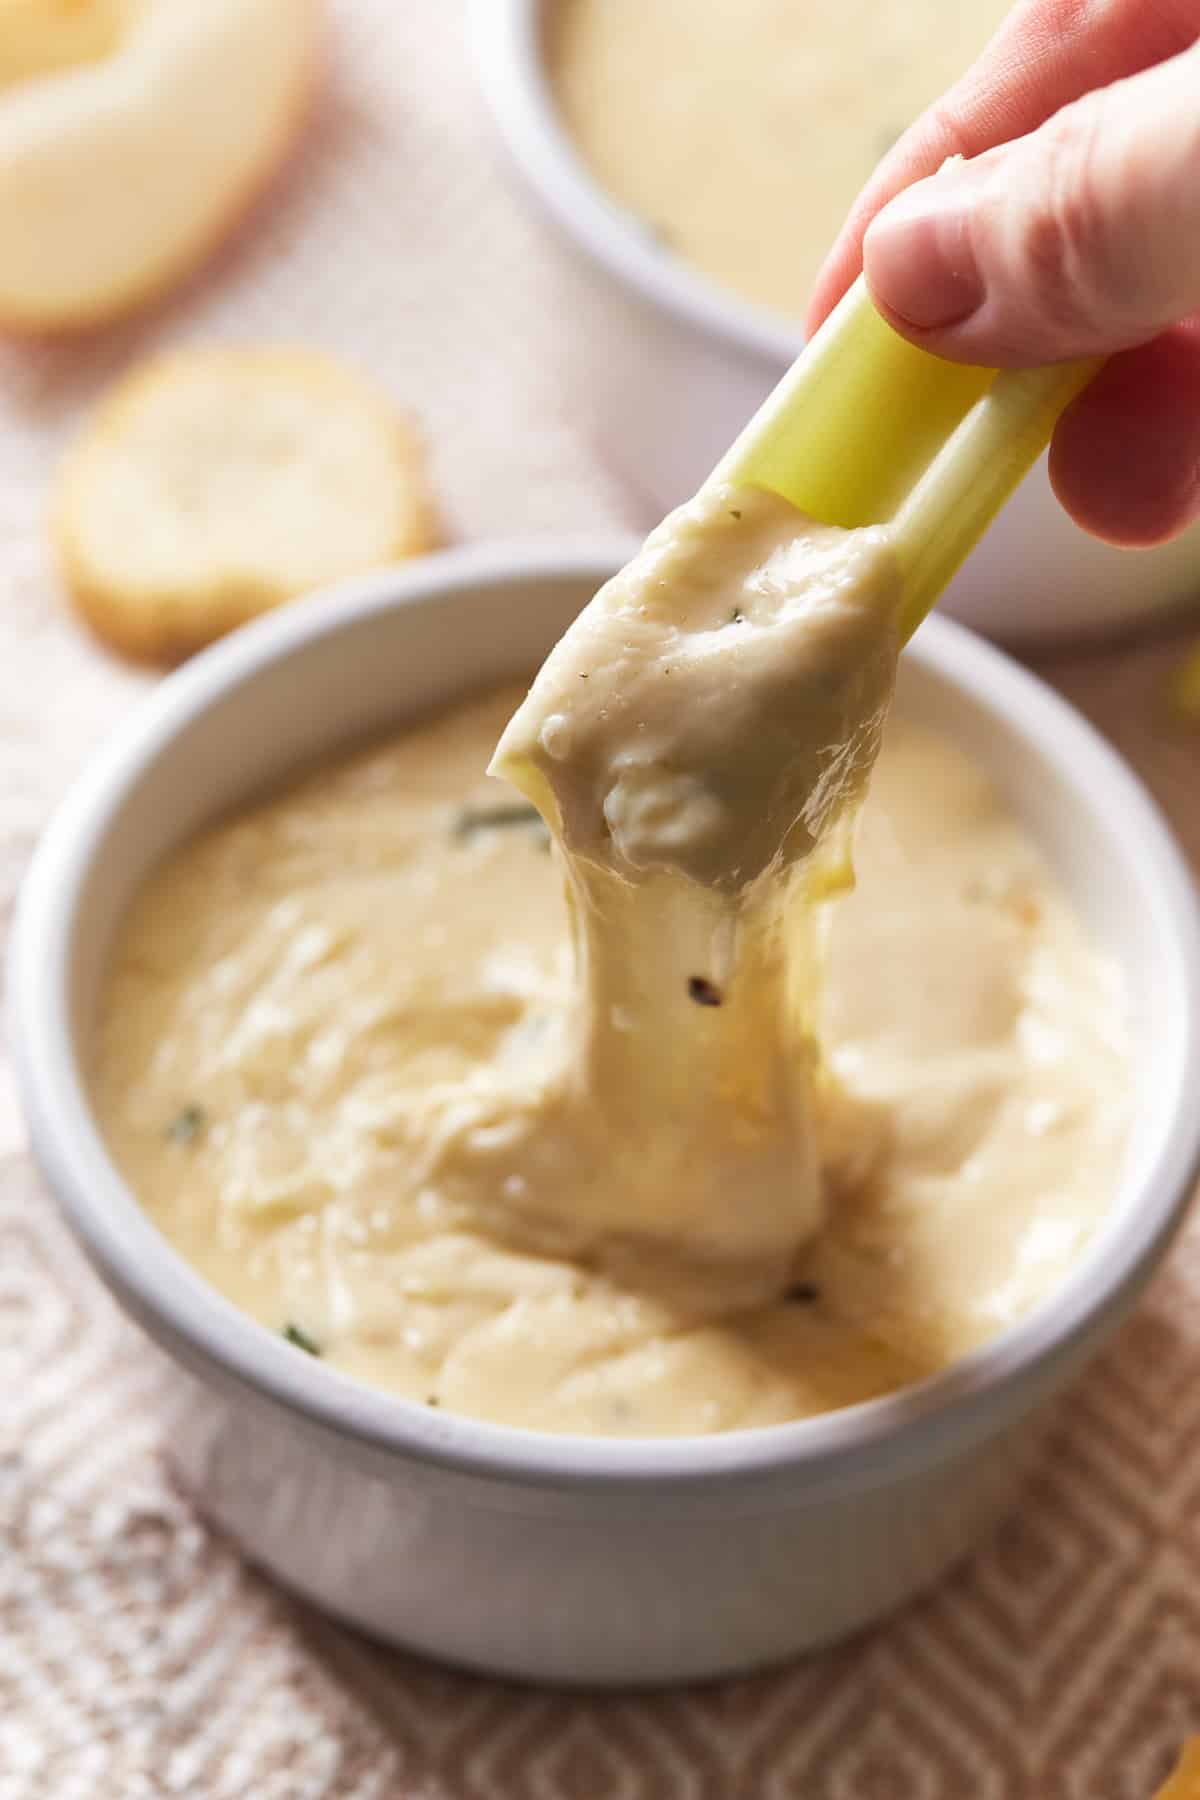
739 131
710 1142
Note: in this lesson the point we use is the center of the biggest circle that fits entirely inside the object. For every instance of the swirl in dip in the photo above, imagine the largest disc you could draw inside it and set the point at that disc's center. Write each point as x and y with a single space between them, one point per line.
713 1141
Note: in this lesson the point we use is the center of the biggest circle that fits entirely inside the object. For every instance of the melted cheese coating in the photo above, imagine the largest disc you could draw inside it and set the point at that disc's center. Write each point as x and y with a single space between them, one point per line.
330 1022
698 741
740 131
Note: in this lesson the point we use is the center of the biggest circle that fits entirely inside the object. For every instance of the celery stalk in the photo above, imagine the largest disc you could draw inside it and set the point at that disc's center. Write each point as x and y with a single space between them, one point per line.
867 429
974 473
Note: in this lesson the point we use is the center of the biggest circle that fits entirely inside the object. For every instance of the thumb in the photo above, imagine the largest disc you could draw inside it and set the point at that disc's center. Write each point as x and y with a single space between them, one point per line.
1080 239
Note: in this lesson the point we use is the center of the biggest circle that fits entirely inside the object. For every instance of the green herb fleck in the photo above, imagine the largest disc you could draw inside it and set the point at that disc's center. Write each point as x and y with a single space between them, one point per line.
432 1400
703 991
475 819
735 512
296 1334
802 1293
188 1125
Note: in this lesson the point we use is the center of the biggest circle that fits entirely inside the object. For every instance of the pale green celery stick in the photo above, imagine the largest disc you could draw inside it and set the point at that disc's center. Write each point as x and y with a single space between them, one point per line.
975 472
867 429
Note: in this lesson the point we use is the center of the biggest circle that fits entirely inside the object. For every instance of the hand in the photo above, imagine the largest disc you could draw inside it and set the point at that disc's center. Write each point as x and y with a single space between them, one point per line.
1072 230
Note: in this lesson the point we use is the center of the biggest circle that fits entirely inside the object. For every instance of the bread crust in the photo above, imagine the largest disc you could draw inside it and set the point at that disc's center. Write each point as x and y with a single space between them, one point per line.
157 506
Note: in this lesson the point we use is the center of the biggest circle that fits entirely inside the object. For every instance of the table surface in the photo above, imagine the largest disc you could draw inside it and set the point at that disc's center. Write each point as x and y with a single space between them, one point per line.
138 1656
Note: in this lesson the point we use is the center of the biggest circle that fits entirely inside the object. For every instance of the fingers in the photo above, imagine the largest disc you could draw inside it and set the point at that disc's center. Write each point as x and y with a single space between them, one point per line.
1125 462
1046 54
1079 239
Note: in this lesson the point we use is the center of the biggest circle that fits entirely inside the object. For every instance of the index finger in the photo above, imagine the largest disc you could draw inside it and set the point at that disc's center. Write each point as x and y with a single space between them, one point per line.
1045 54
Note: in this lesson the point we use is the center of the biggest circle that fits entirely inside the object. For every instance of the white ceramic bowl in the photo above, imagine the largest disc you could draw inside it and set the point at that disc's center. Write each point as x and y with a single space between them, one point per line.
685 362
561 1558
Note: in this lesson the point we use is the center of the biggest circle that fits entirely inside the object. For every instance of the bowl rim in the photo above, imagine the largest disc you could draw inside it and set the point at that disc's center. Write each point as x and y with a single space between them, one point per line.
511 71
153 1280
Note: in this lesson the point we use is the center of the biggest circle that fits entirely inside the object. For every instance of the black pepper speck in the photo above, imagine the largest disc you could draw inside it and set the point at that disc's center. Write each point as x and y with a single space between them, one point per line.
703 991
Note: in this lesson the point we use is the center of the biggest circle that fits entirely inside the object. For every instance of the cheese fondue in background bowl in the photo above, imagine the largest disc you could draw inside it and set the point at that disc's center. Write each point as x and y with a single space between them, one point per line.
562 1558
681 362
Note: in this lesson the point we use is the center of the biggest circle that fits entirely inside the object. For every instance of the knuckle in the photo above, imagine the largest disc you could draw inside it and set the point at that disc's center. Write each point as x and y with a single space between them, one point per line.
1065 19
1061 246
951 128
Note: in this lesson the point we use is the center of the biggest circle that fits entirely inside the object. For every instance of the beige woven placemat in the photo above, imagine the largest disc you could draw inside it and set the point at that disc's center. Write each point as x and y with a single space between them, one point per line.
138 1658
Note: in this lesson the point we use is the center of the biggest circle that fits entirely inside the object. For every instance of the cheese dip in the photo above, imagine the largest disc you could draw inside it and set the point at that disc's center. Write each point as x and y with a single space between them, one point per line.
697 1146
738 132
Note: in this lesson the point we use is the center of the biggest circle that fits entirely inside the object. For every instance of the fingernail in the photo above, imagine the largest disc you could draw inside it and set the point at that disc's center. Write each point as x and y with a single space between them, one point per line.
918 257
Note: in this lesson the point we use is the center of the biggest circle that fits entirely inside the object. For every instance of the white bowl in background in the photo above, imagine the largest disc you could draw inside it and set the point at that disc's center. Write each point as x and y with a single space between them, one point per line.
684 363
568 1559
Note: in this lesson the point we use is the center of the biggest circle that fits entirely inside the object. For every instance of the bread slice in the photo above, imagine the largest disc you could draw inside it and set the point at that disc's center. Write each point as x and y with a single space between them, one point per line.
214 483
133 134
39 36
